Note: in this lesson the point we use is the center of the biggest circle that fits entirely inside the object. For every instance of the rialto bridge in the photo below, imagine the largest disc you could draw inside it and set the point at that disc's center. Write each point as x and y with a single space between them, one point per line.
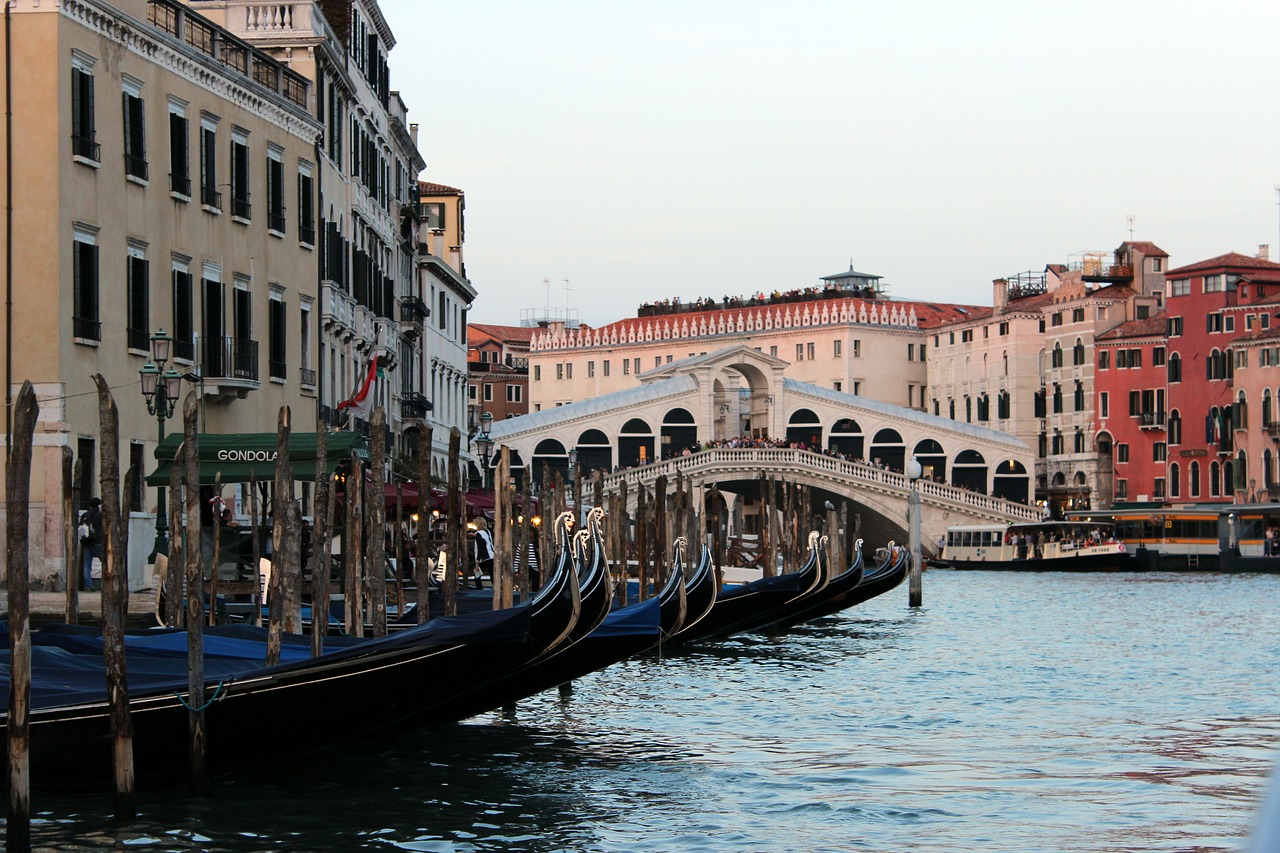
718 418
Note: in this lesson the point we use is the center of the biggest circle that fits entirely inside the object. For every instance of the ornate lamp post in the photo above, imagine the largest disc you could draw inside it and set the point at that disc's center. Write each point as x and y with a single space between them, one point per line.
484 444
161 387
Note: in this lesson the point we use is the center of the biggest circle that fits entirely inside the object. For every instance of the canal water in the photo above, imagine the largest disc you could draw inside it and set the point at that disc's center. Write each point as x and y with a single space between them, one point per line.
1037 712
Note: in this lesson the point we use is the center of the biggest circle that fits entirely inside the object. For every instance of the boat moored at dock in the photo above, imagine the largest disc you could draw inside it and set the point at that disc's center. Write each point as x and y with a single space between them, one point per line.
1048 546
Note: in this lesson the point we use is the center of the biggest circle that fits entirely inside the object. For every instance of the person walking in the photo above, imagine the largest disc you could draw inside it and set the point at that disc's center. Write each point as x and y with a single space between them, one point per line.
483 552
91 543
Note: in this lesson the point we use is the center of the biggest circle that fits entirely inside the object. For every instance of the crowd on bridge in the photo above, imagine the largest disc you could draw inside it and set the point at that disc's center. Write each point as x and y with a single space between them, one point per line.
759 298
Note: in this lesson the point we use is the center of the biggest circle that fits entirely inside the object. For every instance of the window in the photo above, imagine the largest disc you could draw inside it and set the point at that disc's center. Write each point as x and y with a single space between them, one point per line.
1175 368
1057 355
488 392
1175 327
138 325
1180 287
838 346
1174 428
559 375
537 373
179 152
135 135
1004 329
1158 488
1078 441
1077 315
1057 399
1193 479
606 367
1057 318
837 386
1175 485
210 198
307 375
799 352
1002 406
240 207
1158 452
184 333
1104 405
1077 352
1213 283
857 348
1079 396
773 351
911 352
1135 403
471 393
966 336
83 133
1228 323
1104 359
636 366
1122 489
84 318
1157 264
515 394
809 351
568 370
626 367
275 191
591 369
1213 322
1122 453
657 361
277 357
1059 444
1157 357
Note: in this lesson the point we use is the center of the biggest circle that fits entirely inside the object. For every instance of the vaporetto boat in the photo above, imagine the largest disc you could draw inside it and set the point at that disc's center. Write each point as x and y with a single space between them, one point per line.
1049 546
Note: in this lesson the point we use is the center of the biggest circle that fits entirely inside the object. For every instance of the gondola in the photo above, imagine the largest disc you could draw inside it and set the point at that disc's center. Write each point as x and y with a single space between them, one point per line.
753 605
832 598
255 713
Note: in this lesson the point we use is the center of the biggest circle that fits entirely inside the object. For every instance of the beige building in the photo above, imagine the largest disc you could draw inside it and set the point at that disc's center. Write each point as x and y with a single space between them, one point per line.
155 165
1026 365
852 340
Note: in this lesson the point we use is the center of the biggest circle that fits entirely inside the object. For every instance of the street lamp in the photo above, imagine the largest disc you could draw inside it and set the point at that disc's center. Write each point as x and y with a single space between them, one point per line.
484 444
160 388
914 472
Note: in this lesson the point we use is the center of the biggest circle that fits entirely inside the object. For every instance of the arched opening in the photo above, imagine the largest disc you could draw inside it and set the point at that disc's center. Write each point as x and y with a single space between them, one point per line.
846 437
1215 480
969 471
594 451
1193 479
1175 481
1106 469
679 431
1269 473
803 427
889 450
932 459
635 444
1011 482
549 455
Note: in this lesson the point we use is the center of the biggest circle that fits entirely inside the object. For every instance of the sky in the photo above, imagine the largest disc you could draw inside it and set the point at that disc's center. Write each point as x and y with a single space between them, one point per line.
614 152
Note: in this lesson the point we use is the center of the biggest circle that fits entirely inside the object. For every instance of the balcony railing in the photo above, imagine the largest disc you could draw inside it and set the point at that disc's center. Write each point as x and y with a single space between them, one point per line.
307 235
183 349
277 369
136 167
139 339
1151 420
414 405
210 197
84 146
180 184
1272 429
231 358
275 222
241 207
88 328
307 377
413 308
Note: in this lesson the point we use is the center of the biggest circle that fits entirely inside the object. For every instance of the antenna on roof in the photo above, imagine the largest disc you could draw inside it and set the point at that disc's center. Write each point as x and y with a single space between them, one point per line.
1130 227
546 282
566 293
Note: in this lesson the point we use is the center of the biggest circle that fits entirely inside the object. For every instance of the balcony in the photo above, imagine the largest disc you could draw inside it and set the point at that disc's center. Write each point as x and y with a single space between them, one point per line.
84 146
1110 274
241 208
1151 420
180 184
230 367
413 315
276 221
211 199
307 377
414 406
1272 430
337 310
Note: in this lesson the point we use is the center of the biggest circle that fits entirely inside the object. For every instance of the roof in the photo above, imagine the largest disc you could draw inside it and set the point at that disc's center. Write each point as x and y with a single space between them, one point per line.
1150 250
429 188
922 418
1231 260
626 398
1155 325
506 334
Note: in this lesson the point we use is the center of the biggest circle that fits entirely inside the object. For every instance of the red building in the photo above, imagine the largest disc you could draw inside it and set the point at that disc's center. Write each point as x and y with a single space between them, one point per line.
1198 452
497 371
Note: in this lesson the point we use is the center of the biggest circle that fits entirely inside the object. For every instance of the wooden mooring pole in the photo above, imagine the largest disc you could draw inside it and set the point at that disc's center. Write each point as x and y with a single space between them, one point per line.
114 583
195 609
421 545
320 551
281 494
18 492
377 513
70 539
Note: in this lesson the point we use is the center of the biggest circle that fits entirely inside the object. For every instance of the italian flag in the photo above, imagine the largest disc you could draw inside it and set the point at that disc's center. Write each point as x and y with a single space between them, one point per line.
361 405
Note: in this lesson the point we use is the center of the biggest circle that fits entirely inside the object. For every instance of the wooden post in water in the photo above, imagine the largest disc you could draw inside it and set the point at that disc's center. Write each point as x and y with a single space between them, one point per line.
320 543
377 565
401 549
282 492
351 548
421 571
503 501
455 524
114 569
195 586
173 611
17 566
717 537
624 538
642 539
256 524
523 565
70 538
660 531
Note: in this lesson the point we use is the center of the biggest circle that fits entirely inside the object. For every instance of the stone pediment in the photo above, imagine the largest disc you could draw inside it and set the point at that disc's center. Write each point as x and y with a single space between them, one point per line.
729 357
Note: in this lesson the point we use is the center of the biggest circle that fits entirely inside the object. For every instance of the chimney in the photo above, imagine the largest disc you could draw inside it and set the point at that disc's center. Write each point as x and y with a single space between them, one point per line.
437 243
1000 295
1264 251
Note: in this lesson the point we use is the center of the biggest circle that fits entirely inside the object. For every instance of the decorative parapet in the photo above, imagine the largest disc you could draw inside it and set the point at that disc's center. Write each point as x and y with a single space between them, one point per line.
841 312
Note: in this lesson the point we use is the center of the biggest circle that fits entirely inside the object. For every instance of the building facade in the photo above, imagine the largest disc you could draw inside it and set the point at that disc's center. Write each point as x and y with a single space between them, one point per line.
155 158
497 371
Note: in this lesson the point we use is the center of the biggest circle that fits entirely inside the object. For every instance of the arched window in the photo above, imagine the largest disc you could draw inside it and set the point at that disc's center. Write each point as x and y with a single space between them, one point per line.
1079 396
1175 368
1266 407
1193 481
1215 480
1077 352
1002 406
1175 485
1268 470
1057 354
1175 427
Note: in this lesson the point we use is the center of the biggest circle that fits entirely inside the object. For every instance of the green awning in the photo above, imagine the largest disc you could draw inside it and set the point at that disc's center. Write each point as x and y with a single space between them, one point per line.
235 455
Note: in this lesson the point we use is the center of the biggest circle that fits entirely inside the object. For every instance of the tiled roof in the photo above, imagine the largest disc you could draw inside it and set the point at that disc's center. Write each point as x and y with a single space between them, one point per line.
429 188
507 334
1151 250
1156 324
1112 291
1231 260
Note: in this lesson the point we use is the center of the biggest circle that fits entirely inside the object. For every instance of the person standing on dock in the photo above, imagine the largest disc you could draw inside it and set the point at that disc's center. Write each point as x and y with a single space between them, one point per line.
91 540
483 552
